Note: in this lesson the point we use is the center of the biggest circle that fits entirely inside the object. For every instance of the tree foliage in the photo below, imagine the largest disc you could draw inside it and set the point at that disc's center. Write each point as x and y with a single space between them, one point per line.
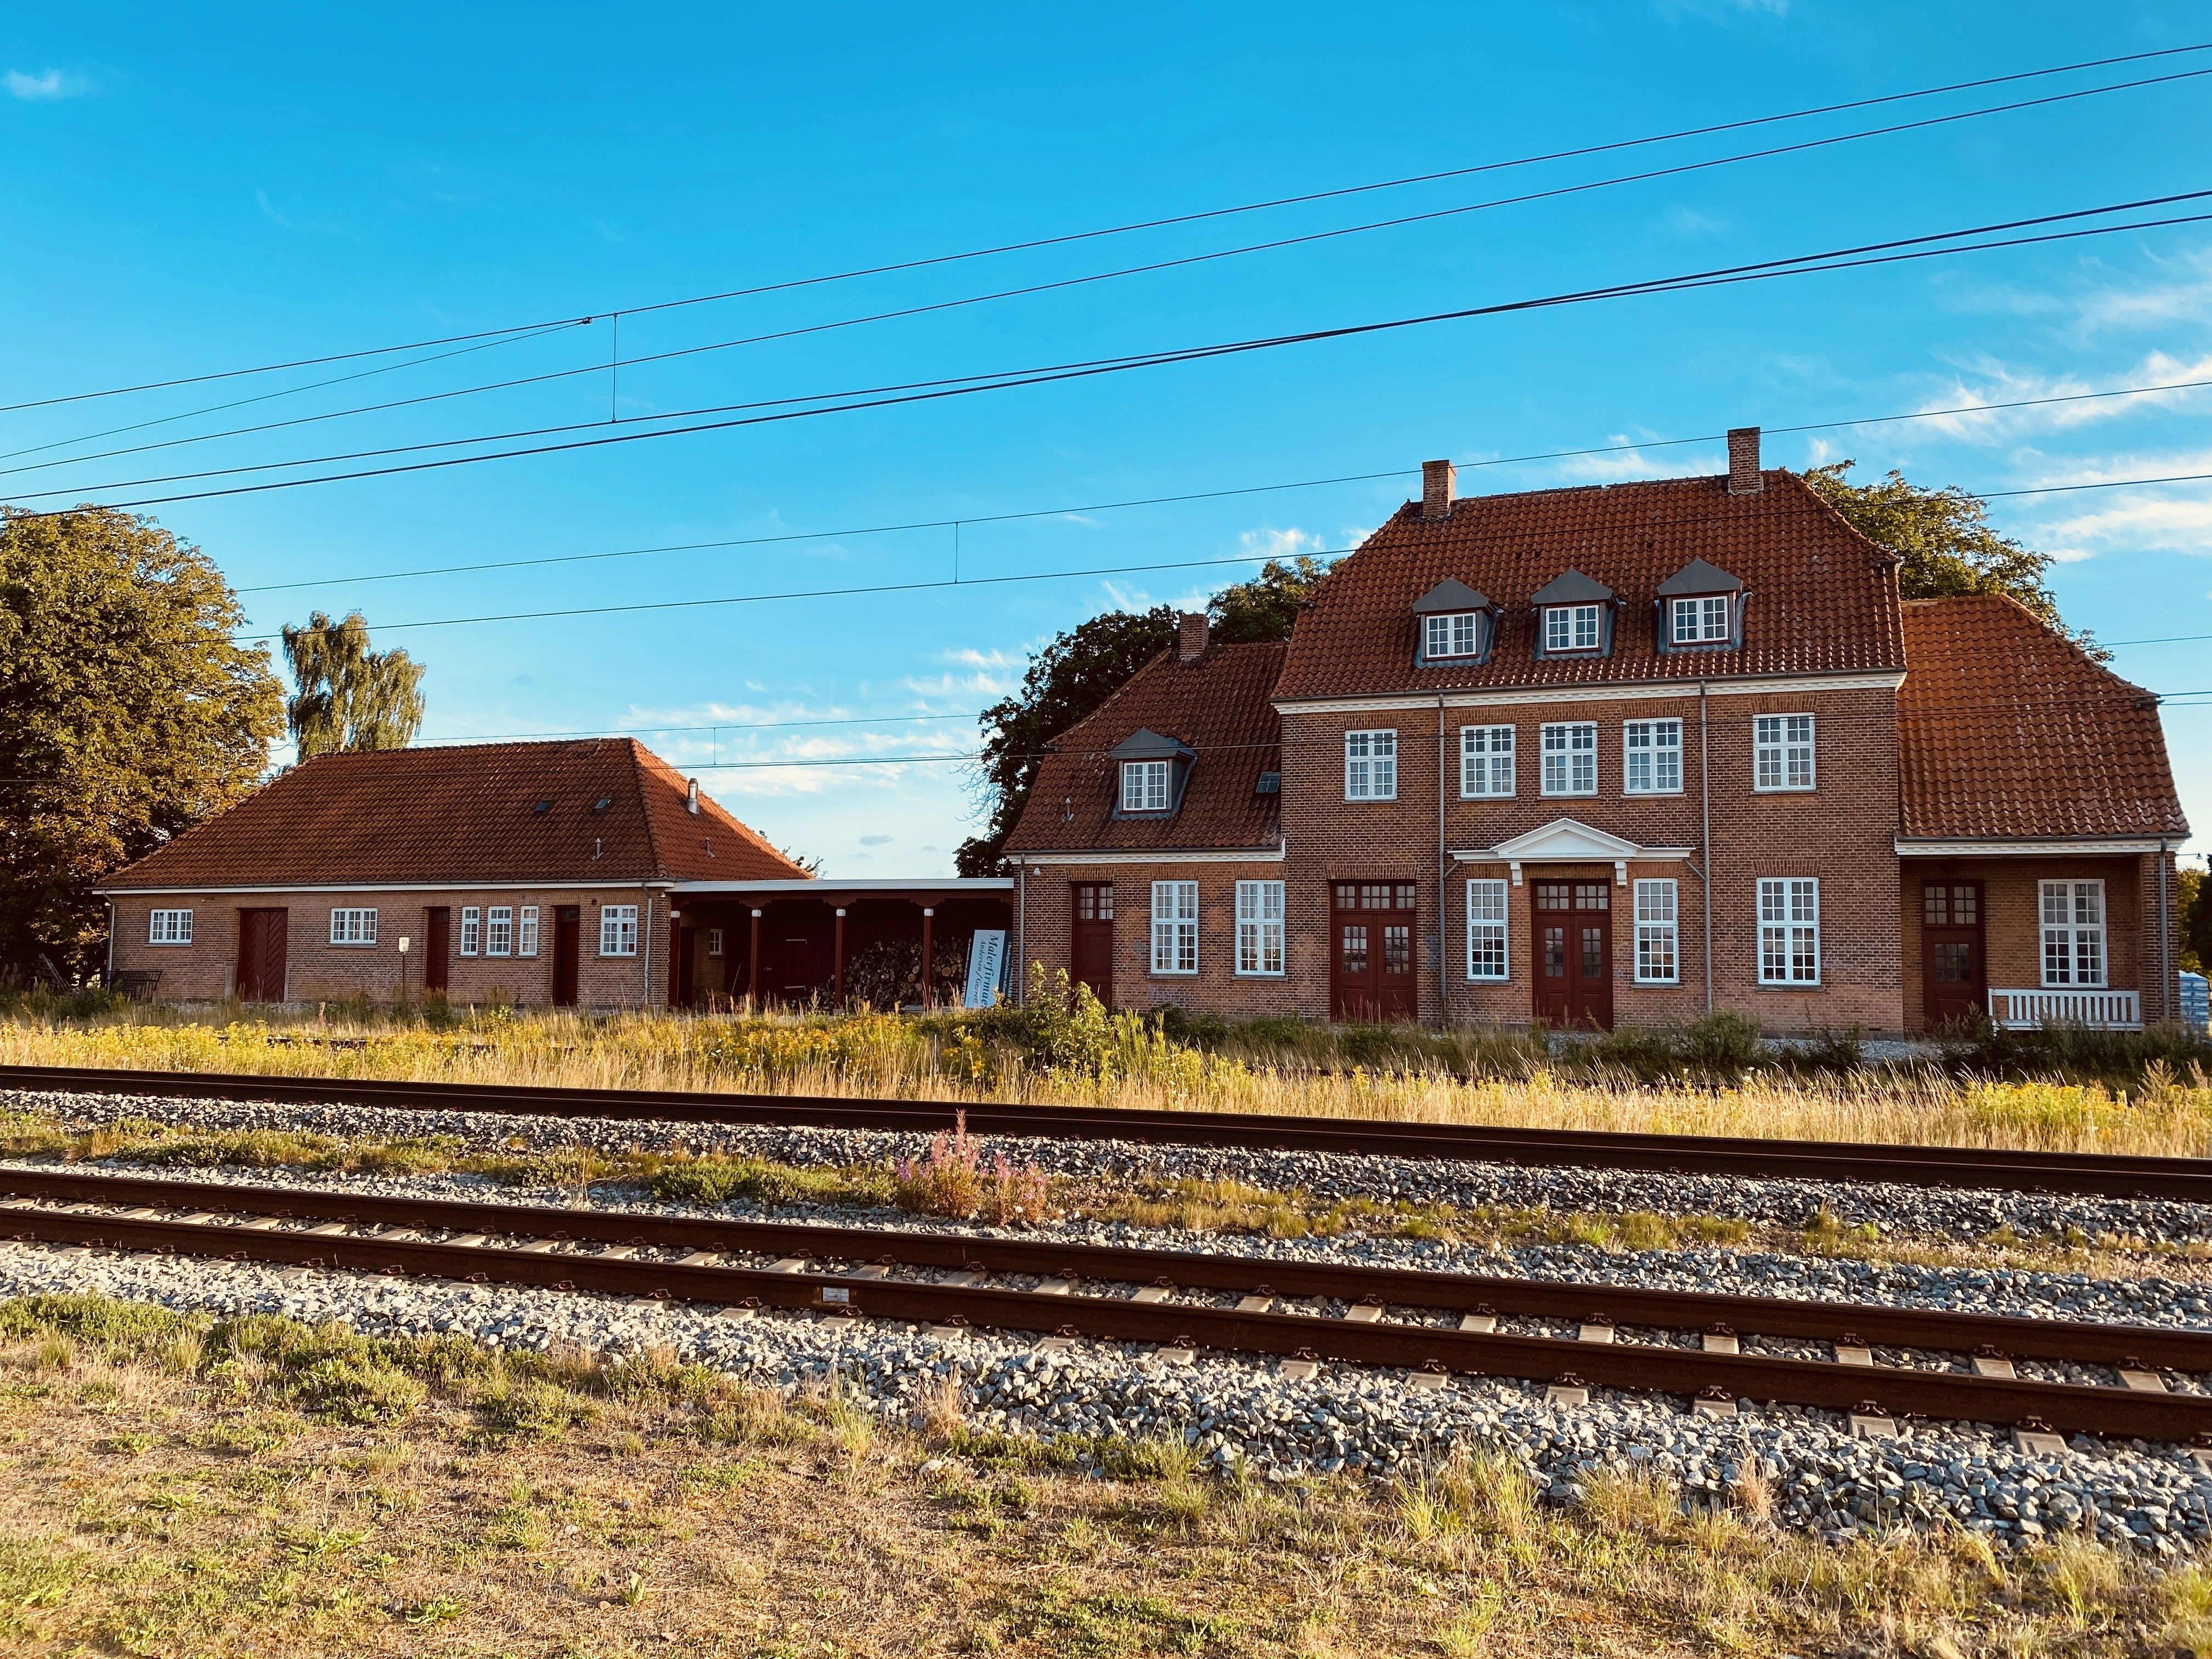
349 696
1073 675
127 716
2193 908
1944 538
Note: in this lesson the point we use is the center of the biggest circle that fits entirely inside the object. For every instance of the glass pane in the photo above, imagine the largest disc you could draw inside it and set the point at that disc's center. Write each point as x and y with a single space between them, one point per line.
1965 905
1593 953
1934 906
1397 949
1355 949
1555 953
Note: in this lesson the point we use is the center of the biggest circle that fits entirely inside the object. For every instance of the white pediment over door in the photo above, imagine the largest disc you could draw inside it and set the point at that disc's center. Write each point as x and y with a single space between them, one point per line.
1565 840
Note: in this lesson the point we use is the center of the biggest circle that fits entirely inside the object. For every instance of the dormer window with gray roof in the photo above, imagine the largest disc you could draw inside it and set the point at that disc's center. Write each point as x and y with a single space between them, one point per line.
1574 617
1456 624
1154 771
1700 609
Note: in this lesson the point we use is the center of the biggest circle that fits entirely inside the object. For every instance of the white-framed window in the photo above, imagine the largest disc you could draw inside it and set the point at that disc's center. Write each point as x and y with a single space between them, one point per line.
526 932
471 930
1370 766
1486 929
353 927
714 941
169 928
1486 762
618 930
1788 930
1570 758
1782 751
1652 757
1701 622
1572 627
1175 927
1456 635
1258 927
499 931
2073 932
1145 786
1657 934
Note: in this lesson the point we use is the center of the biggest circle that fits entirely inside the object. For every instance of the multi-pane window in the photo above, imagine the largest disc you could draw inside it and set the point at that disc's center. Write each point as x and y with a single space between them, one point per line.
1486 929
1259 926
353 927
1094 901
1458 635
1486 762
1571 627
1175 927
1145 786
618 930
471 930
2074 932
1657 934
1370 766
1782 751
1374 895
1701 622
499 931
714 941
1944 905
1789 930
1570 758
169 928
1651 757
525 932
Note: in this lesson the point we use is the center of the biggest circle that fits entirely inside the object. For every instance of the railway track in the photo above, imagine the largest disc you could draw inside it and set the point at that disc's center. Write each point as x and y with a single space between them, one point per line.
1435 1325
2107 1175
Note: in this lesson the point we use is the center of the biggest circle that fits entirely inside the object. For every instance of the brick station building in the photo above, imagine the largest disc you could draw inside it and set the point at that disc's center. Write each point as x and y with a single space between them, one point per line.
576 874
1618 755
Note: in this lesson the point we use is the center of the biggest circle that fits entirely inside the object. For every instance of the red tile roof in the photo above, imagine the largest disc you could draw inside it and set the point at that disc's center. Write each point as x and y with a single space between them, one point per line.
1217 705
2007 730
465 813
1823 599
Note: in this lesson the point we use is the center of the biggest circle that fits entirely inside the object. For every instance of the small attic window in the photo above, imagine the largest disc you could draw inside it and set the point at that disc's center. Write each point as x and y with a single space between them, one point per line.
1271 783
603 803
1152 772
1700 609
1571 628
1454 624
542 806
1574 616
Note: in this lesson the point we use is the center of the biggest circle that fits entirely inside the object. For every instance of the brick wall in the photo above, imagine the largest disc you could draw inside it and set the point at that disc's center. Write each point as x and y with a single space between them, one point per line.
317 970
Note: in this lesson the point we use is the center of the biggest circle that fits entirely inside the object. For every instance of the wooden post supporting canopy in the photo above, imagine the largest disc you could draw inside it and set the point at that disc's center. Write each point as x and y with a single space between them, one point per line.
753 966
928 992
838 956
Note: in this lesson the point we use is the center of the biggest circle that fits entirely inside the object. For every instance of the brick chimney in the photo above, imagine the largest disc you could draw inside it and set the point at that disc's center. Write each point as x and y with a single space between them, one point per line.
1191 644
1439 486
1744 477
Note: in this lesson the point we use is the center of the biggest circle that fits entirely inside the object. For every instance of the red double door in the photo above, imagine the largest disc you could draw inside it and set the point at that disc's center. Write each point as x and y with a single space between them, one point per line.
1573 928
1371 968
261 955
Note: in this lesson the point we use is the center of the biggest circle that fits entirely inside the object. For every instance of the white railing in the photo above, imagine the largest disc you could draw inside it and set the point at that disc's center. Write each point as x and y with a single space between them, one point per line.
2107 1011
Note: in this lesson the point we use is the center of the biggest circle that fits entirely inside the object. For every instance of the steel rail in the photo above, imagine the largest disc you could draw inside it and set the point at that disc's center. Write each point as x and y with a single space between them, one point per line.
2083 1174
2067 1407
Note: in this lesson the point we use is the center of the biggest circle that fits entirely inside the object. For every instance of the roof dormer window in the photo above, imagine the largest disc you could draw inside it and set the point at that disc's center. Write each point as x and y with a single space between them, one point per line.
1145 786
1571 628
1574 616
1154 771
1700 609
1454 623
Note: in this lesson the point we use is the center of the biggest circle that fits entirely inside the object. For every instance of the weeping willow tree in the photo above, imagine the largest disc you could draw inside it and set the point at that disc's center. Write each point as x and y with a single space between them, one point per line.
349 696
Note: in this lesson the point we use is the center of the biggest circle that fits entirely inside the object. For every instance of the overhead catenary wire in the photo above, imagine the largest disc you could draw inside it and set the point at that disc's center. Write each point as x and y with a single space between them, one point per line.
1155 223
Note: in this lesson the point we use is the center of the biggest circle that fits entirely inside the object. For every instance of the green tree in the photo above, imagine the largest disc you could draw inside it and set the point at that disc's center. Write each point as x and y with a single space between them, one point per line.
2193 908
1081 668
128 713
1944 538
349 696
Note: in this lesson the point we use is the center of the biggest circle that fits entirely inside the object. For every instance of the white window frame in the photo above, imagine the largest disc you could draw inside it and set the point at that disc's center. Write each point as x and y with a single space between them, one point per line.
2073 922
168 927
499 931
1782 754
1452 634
1370 765
1489 950
1487 763
714 941
1174 927
1581 625
526 932
1658 933
1572 745
1145 786
471 930
1260 929
1789 930
353 926
1707 619
618 930
1650 766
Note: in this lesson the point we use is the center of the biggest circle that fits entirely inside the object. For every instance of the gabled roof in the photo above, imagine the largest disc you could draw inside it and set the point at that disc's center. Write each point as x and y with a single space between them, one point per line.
1571 587
1220 704
2005 729
1824 598
1699 577
465 812
1449 595
1145 743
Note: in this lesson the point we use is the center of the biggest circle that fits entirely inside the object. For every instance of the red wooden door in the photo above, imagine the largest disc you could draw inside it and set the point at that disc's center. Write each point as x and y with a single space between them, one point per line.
1091 939
568 938
1953 974
1574 953
1370 970
437 947
261 956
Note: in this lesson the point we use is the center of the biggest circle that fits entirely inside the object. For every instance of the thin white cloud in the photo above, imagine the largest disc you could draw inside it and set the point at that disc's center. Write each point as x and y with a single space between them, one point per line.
875 840
1281 544
1684 462
47 87
1992 382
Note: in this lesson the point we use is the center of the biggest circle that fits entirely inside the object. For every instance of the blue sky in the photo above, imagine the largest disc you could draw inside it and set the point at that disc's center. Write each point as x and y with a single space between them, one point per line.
197 190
